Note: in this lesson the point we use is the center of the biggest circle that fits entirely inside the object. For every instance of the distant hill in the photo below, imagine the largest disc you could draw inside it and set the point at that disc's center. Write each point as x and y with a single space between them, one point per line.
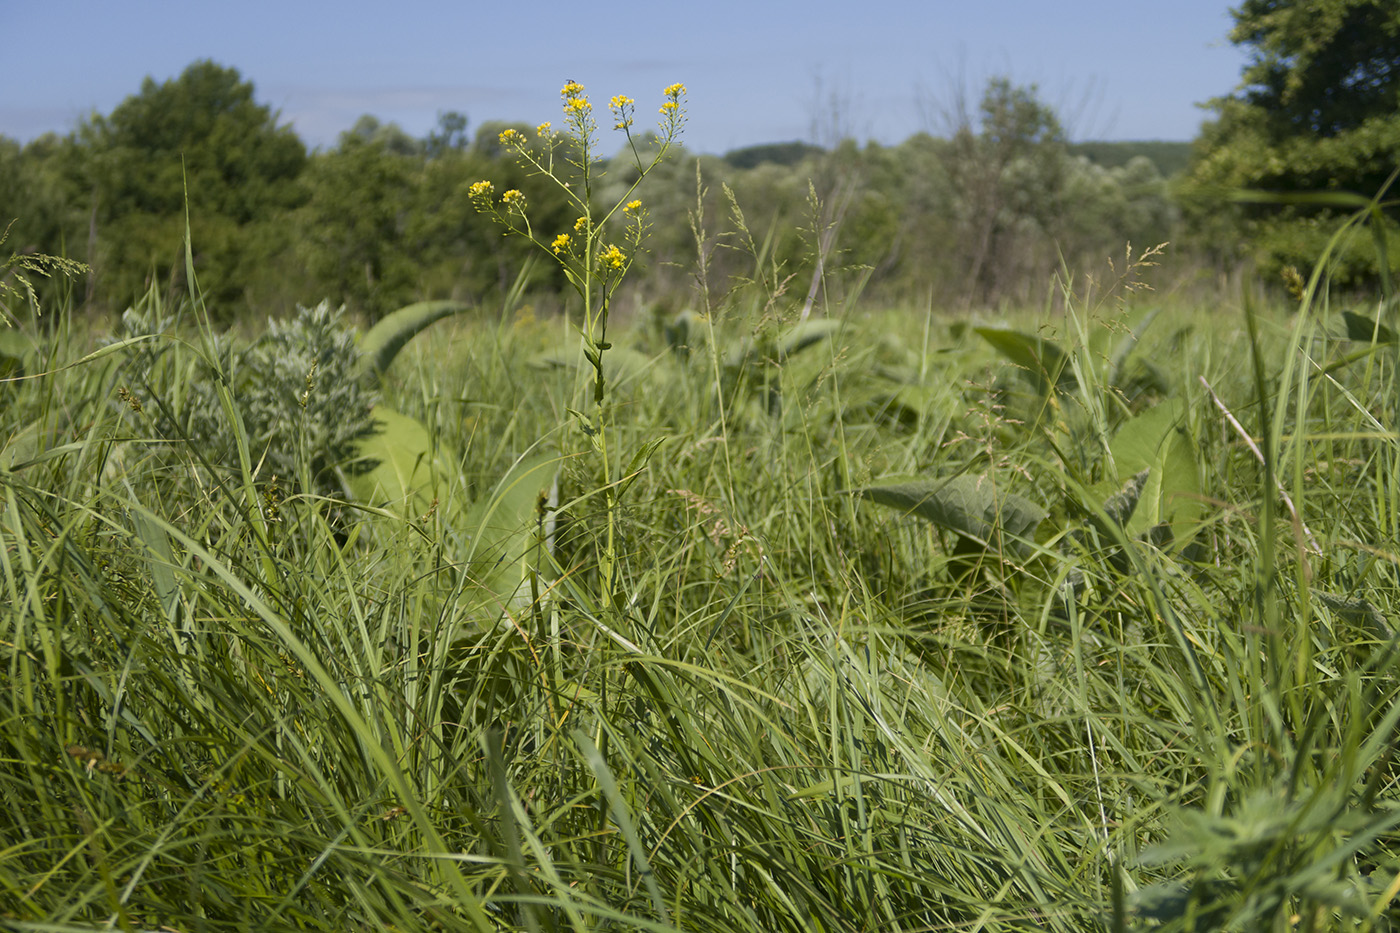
777 153
1169 157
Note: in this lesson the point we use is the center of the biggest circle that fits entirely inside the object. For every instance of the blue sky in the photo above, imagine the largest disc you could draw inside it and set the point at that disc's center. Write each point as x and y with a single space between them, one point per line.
756 71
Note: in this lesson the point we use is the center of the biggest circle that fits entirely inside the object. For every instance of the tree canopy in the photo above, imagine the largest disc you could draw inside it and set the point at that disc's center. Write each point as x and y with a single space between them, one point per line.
1318 110
201 136
383 218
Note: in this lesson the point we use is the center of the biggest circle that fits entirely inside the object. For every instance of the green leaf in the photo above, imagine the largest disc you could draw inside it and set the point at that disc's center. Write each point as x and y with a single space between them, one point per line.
504 529
1155 441
115 346
162 563
970 506
1045 364
405 471
1366 330
15 348
384 340
807 333
1123 350
590 429
1122 504
639 463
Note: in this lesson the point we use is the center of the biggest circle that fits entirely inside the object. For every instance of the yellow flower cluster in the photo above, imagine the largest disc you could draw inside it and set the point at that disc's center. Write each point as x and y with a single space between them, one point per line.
622 108
580 249
674 93
578 111
612 258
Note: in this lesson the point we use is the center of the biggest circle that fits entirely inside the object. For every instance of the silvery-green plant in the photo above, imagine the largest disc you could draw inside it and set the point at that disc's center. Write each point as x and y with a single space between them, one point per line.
303 405
301 396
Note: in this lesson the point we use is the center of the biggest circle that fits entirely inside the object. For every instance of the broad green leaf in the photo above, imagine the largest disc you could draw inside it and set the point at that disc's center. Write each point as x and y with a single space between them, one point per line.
971 506
620 364
806 334
506 528
1122 504
1045 364
1155 441
1123 349
15 347
162 563
1365 330
405 470
384 340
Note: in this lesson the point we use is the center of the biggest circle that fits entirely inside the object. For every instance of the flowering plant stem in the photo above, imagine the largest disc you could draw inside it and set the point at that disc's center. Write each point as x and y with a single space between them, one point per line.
591 259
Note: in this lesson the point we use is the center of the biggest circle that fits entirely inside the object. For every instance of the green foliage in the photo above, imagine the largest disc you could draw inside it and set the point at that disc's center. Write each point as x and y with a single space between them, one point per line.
971 507
16 285
789 154
450 135
793 709
679 678
354 222
385 339
199 142
509 531
1010 166
381 220
1316 113
1362 328
303 403
1324 68
396 465
1154 449
389 223
1039 359
1168 158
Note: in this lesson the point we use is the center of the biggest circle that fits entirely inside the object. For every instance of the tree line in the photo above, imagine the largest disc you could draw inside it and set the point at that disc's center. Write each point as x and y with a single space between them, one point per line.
983 213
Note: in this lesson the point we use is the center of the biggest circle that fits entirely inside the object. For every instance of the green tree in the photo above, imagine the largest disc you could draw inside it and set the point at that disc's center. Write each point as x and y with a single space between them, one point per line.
204 136
389 221
46 198
1318 110
389 137
353 225
450 135
1008 171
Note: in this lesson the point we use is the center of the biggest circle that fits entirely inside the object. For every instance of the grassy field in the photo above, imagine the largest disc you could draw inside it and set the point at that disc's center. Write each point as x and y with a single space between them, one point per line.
895 622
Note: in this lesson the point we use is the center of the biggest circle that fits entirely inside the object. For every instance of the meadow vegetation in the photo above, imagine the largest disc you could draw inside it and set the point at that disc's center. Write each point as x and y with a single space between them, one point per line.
737 595
1120 656
383 219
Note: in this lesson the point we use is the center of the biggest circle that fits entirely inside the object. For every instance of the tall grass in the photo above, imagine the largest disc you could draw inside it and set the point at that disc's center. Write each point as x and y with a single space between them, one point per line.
797 710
